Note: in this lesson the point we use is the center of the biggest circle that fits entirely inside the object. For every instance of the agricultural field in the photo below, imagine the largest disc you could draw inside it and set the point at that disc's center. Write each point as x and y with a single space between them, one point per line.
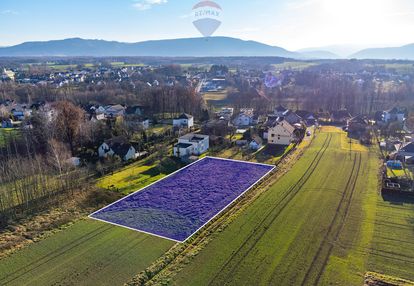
216 99
122 64
398 67
86 253
215 96
81 253
323 223
267 155
177 206
297 66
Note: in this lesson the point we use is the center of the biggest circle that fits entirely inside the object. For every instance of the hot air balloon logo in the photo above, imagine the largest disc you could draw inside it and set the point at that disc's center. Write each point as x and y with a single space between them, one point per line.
207 15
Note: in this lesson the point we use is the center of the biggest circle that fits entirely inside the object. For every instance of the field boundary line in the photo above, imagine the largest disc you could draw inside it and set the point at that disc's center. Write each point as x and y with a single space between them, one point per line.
176 172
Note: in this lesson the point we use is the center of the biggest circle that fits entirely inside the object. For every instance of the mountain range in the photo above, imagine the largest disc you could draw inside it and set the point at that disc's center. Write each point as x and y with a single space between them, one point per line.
190 47
404 53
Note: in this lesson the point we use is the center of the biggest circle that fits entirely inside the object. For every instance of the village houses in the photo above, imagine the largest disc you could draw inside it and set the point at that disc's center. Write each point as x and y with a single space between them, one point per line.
117 146
184 121
245 117
281 133
191 145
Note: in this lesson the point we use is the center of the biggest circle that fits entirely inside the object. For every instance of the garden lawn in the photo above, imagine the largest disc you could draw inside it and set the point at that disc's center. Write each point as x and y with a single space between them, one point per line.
131 178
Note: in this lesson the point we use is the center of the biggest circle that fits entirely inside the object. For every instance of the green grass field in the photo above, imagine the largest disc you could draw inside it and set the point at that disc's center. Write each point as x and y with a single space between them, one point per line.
87 253
125 65
400 67
131 178
323 223
297 66
90 252
215 96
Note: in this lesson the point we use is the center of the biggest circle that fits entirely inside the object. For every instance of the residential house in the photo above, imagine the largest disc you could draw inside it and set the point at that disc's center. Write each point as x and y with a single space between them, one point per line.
20 112
113 111
8 75
134 117
395 114
406 152
308 117
279 111
282 133
245 118
256 143
357 125
118 146
292 117
134 111
340 117
226 113
184 121
191 144
138 122
217 127
6 123
97 117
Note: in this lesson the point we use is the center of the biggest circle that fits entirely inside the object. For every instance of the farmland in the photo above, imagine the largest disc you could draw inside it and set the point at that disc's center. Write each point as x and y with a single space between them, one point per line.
86 253
180 204
81 253
323 223
297 65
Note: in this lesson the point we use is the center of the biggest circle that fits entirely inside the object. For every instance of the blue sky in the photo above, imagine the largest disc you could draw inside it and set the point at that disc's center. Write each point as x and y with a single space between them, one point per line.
292 24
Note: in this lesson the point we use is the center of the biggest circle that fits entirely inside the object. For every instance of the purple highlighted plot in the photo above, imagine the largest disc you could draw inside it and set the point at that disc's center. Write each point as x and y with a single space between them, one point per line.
179 205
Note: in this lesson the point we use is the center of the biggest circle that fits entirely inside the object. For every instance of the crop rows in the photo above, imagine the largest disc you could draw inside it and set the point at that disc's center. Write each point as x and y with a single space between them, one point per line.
249 244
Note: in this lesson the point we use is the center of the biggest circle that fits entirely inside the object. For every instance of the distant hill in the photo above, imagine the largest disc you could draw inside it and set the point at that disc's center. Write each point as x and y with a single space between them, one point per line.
342 51
319 55
401 53
192 47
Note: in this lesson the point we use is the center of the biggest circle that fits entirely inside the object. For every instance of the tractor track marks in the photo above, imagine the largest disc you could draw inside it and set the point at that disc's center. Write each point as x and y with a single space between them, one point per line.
52 255
274 213
333 232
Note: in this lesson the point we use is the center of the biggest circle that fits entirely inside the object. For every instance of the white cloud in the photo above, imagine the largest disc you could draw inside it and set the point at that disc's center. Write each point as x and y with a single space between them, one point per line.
142 5
9 12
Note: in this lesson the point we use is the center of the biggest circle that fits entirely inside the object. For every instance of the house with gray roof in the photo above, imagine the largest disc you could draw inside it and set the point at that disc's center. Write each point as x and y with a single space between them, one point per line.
191 144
